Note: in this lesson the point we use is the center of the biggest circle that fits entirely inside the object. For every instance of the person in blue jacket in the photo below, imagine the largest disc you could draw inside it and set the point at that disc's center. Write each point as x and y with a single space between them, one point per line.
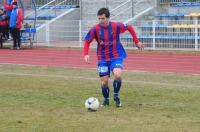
16 19
8 9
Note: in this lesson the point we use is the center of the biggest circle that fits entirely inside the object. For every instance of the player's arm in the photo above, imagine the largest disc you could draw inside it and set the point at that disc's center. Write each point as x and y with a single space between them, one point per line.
124 27
88 39
135 39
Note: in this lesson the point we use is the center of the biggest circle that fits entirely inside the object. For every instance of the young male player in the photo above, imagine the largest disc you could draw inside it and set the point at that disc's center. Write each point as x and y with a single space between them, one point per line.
110 52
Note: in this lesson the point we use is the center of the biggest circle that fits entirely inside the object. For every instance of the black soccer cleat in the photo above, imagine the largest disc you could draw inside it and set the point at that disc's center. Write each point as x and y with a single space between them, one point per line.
105 103
117 102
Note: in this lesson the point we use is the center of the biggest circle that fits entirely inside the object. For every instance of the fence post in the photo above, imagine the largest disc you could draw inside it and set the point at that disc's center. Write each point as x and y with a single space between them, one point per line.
132 4
196 35
47 33
154 34
80 33
81 9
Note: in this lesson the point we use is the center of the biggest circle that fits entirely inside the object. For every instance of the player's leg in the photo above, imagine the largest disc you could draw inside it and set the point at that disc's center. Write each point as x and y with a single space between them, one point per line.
117 72
105 89
104 73
117 66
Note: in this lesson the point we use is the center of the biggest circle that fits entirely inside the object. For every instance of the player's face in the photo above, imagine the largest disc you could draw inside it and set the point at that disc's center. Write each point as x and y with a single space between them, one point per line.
103 20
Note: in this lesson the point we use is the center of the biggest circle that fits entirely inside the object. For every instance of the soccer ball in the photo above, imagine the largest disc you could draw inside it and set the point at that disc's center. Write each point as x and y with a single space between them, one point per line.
92 104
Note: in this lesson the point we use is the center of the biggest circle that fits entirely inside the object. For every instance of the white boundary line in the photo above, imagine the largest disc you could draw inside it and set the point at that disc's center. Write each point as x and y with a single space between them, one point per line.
139 71
96 79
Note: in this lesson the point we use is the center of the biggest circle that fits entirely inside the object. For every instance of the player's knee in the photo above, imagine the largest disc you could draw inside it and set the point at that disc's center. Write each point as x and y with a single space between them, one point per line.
118 76
104 83
117 73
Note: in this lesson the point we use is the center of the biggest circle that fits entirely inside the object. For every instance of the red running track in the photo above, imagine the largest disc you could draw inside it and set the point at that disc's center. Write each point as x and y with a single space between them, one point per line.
141 61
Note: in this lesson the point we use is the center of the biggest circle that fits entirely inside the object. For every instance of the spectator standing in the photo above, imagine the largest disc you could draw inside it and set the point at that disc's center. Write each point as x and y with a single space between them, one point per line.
3 24
16 19
8 9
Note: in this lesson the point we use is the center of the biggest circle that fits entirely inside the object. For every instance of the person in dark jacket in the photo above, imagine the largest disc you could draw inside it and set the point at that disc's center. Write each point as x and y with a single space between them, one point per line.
16 19
3 27
3 23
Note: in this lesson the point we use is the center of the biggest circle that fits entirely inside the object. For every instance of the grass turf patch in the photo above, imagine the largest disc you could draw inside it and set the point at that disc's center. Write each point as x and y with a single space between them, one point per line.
46 99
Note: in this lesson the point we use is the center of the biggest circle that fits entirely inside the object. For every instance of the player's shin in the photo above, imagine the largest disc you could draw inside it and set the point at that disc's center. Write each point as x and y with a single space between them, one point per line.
117 85
105 93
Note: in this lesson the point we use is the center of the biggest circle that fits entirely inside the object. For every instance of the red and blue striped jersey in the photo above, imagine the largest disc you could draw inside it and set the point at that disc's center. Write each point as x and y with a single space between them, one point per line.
109 46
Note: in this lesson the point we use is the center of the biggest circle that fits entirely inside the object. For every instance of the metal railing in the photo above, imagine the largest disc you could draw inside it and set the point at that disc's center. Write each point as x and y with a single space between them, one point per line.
177 1
171 34
127 9
43 2
124 7
153 34
48 6
24 4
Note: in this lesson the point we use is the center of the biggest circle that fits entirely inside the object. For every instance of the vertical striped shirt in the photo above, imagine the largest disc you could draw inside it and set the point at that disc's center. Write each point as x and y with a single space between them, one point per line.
109 46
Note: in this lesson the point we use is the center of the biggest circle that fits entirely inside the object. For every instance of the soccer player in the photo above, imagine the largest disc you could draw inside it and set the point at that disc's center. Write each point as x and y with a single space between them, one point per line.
110 52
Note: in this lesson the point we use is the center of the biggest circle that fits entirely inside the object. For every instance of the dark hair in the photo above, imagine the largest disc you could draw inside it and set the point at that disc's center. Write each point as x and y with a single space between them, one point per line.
14 3
104 11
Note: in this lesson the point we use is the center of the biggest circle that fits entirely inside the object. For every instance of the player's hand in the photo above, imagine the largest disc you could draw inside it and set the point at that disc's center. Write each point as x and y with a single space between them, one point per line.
140 46
87 58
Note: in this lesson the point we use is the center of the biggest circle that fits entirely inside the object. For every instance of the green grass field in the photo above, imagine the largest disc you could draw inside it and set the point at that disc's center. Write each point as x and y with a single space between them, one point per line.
43 99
